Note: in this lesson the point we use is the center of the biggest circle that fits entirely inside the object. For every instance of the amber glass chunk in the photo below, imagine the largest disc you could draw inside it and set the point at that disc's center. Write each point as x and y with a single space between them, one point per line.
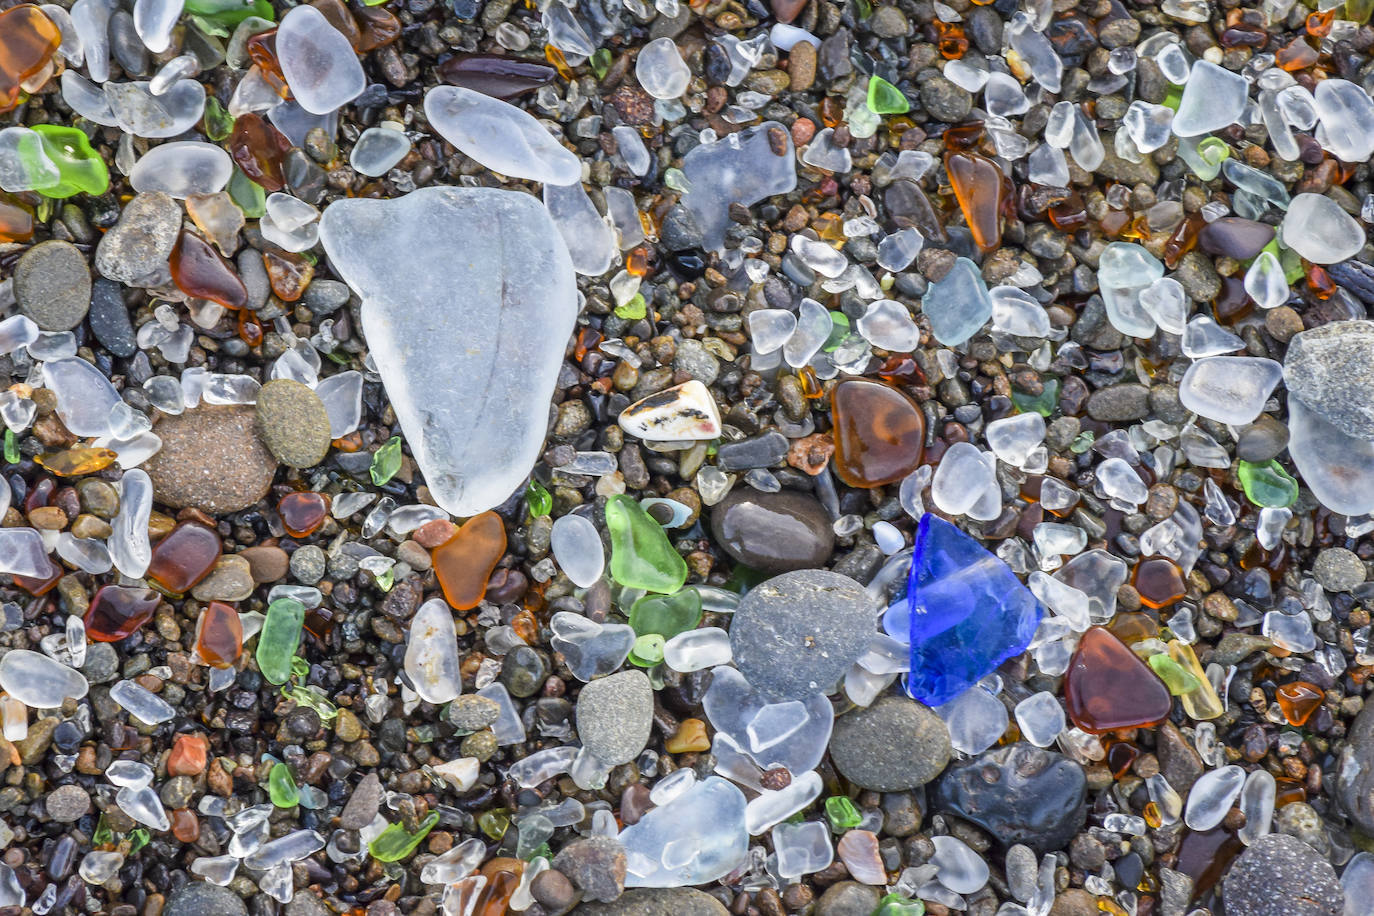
199 270
219 635
288 273
1107 687
1298 701
464 562
879 433
1133 626
76 462
117 611
302 514
28 39
36 585
259 149
978 186
185 825
1120 756
1159 582
1204 855
16 223
377 27
184 557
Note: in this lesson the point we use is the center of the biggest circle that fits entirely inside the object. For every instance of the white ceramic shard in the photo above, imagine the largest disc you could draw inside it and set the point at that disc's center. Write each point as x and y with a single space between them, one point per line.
685 411
468 300
500 136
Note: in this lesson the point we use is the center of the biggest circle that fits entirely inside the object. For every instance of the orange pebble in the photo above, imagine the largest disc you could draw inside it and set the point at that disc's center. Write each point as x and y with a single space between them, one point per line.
465 562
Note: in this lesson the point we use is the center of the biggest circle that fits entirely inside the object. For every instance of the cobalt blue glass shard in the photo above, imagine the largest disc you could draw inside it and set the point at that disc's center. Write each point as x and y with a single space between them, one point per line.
967 613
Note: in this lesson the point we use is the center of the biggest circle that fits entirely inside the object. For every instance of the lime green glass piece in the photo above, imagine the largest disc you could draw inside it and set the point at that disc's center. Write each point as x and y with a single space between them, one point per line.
281 634
641 554
1043 403
394 844
138 838
539 499
386 461
230 12
1268 484
493 824
633 310
601 62
542 852
839 330
647 650
79 166
666 615
103 834
1178 679
218 123
841 813
898 905
1082 442
281 787
11 447
313 698
1174 97
885 98
247 195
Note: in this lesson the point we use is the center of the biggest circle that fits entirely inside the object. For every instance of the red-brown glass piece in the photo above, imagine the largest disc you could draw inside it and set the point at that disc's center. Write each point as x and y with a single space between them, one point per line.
28 39
879 433
219 635
1107 687
16 222
464 564
201 271
978 186
36 585
117 611
184 557
1159 582
259 149
302 514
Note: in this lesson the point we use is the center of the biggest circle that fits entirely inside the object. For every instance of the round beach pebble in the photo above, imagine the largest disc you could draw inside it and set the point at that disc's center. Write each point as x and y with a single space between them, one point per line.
52 285
293 423
797 634
211 459
893 745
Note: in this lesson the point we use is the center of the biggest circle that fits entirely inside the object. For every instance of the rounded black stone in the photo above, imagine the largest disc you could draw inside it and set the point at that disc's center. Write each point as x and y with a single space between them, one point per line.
773 532
1019 793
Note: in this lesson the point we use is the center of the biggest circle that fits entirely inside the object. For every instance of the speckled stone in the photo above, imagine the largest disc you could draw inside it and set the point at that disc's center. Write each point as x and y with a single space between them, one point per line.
1280 875
614 716
201 899
211 459
656 901
52 285
1019 793
293 423
894 744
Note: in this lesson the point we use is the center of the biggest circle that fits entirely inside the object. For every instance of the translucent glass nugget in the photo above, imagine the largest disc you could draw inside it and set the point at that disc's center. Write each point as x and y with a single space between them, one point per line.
319 64
182 169
500 136
38 681
431 660
1212 99
743 167
378 150
697 837
661 70
404 258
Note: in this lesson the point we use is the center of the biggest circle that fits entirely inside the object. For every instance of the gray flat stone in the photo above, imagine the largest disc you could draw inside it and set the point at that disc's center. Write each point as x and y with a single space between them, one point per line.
614 715
201 899
1331 370
893 745
52 285
1280 875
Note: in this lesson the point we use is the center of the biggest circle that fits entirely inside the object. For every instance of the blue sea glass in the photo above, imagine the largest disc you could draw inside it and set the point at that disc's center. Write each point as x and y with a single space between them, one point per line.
966 613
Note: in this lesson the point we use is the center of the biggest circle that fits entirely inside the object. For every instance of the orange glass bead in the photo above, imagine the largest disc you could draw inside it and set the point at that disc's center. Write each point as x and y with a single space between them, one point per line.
640 261
1288 791
588 339
1297 55
1298 701
901 369
1107 687
16 222
189 754
1320 282
262 51
302 514
40 585
28 39
464 563
219 635
1319 23
199 270
259 149
831 112
249 327
117 611
1159 582
978 186
74 462
964 136
184 557
810 385
495 897
525 626
1069 214
951 40
185 825
288 273
559 62
830 226
879 433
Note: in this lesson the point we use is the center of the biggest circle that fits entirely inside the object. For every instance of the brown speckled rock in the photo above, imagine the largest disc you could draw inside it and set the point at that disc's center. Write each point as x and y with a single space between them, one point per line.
212 460
293 423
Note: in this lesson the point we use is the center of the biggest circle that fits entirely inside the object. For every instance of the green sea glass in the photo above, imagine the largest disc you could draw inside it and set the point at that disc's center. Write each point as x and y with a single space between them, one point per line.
81 169
281 787
394 843
641 554
281 634
1268 484
666 615
885 98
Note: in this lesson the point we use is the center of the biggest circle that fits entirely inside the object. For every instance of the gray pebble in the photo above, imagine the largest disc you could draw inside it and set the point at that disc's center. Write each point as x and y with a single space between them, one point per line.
67 804
1280 875
201 899
892 745
109 319
136 250
946 101
1338 569
308 564
596 864
324 297
615 714
1119 403
52 285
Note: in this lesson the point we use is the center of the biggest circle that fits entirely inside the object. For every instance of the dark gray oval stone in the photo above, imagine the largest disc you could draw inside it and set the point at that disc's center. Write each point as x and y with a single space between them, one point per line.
797 634
109 319
893 745
773 532
201 899
1280 875
1355 777
1019 793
